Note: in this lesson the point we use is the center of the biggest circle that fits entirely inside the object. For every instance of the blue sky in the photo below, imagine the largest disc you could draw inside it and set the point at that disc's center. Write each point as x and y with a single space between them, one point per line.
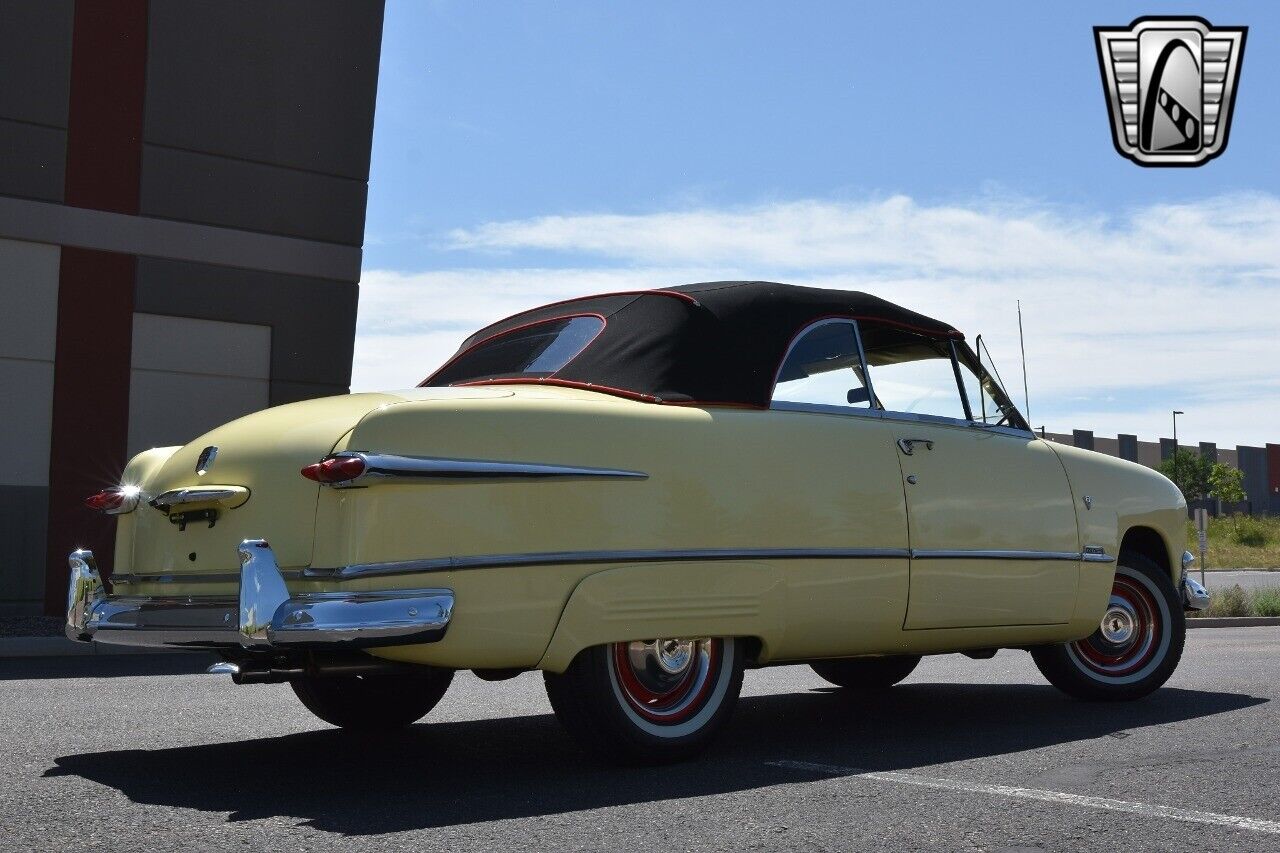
524 149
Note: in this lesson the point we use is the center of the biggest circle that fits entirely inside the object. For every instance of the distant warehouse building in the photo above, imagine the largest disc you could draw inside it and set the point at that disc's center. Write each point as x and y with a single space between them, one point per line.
182 201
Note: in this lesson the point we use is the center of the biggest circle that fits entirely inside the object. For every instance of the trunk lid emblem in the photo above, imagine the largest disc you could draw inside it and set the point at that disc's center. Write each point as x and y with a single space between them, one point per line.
205 462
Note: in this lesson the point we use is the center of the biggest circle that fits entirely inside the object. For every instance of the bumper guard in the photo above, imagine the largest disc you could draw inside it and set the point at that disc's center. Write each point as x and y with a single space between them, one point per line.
1194 595
264 617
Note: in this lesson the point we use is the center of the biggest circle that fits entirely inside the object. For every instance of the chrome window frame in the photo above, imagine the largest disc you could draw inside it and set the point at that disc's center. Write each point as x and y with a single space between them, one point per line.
799 336
876 409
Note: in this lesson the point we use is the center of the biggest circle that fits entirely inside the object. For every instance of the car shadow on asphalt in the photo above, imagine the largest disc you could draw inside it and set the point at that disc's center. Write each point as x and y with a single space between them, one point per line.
445 774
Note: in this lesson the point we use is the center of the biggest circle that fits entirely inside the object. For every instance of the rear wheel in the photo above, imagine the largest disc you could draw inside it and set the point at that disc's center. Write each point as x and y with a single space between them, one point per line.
373 702
1136 647
866 673
648 701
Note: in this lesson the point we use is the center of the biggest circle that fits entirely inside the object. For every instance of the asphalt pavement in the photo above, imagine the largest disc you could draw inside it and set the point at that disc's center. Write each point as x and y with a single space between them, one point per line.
965 755
1250 579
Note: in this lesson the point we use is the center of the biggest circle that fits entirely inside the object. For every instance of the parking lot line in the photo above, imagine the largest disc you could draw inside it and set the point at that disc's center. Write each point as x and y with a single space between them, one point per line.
1144 809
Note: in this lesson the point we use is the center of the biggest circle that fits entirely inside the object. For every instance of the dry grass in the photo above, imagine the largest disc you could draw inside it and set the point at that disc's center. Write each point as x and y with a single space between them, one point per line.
1242 602
1239 542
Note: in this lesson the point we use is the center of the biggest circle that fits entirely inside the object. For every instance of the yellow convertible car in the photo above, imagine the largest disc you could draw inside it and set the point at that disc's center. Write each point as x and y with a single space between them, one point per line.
641 494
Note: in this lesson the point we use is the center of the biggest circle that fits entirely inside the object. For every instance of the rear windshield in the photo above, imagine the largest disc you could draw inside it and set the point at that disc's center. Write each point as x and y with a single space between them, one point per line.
536 350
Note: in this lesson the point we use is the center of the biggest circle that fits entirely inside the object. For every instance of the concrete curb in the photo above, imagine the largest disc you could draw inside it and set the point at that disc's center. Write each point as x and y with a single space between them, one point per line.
61 647
1233 622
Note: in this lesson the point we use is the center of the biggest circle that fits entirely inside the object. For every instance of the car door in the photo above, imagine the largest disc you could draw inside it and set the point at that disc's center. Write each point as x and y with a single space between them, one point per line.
844 496
990 514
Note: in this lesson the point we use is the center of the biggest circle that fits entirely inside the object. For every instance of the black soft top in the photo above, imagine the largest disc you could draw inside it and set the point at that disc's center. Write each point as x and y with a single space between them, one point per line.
717 342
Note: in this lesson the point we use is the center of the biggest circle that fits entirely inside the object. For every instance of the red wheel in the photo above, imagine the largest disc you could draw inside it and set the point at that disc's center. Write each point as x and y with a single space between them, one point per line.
649 701
1132 632
665 681
1137 644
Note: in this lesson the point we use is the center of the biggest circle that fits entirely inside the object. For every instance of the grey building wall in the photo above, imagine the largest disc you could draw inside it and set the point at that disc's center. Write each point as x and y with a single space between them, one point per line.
1127 447
1082 438
257 130
35 79
1253 462
312 320
277 140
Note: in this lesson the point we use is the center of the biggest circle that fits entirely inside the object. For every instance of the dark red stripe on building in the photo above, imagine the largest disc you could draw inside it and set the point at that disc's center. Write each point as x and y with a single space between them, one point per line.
95 289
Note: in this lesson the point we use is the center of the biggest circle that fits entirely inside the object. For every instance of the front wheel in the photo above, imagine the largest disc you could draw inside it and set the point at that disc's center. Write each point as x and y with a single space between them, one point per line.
648 701
1136 647
373 702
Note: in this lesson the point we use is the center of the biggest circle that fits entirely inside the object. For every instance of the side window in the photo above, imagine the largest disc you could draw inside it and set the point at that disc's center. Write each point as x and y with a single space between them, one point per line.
912 373
823 366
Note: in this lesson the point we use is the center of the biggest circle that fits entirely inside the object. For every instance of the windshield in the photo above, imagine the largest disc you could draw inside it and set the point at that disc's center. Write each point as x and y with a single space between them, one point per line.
991 403
537 350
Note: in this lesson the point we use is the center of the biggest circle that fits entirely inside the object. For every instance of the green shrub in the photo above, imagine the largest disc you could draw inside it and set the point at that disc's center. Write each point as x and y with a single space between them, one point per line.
1266 602
1229 602
1249 531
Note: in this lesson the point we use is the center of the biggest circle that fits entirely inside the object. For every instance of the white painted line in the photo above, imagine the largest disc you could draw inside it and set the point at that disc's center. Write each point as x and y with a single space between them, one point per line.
1144 809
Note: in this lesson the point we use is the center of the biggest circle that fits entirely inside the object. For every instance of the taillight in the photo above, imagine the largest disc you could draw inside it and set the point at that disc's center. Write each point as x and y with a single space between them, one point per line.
335 469
114 501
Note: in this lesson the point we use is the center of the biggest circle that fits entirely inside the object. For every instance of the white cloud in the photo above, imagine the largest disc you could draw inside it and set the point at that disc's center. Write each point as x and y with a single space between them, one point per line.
1126 318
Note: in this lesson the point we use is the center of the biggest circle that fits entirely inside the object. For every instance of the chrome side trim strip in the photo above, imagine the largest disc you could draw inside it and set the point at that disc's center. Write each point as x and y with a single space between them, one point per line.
384 467
547 558
927 554
206 578
561 558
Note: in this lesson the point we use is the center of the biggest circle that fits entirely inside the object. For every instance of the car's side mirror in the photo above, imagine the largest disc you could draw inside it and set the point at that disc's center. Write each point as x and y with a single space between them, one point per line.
858 395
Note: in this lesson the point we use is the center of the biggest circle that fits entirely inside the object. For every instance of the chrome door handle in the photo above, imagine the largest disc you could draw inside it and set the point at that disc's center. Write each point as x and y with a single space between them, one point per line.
908 445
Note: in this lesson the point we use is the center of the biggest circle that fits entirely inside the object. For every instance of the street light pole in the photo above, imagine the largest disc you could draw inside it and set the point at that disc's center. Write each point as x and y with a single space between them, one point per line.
1175 446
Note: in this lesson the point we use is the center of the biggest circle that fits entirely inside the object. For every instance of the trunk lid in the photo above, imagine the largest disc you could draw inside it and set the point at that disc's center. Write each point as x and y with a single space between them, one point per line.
263 453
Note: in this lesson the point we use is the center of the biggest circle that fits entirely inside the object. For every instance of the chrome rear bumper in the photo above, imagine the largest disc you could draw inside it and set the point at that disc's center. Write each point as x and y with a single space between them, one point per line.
265 616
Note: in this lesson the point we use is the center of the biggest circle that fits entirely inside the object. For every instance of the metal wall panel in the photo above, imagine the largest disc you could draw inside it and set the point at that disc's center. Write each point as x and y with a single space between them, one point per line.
299 92
252 196
23 511
29 294
35 60
312 320
27 389
1253 462
189 376
32 160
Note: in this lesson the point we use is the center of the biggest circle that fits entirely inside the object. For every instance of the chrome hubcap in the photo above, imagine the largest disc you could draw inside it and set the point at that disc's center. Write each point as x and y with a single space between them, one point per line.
666 681
1118 625
674 656
663 658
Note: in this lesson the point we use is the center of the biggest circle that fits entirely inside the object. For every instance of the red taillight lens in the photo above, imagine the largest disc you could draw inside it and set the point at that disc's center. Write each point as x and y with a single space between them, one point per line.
105 500
335 469
115 501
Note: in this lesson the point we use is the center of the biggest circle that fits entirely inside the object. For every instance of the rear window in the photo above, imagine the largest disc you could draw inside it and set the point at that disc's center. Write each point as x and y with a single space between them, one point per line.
535 350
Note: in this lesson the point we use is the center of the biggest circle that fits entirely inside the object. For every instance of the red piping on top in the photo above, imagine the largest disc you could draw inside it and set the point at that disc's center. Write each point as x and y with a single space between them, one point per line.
514 329
566 383
650 398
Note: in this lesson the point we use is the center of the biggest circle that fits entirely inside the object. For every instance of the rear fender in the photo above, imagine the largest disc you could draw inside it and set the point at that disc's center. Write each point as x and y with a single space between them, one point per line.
722 599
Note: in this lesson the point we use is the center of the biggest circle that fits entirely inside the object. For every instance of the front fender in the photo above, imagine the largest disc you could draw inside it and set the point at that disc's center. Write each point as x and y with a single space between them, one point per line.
723 599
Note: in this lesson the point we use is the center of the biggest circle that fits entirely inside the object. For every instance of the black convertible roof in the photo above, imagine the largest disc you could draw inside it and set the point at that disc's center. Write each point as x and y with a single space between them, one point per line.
716 343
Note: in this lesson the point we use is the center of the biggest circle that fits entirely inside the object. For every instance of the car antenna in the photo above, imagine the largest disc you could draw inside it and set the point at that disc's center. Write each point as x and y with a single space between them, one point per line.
1022 344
